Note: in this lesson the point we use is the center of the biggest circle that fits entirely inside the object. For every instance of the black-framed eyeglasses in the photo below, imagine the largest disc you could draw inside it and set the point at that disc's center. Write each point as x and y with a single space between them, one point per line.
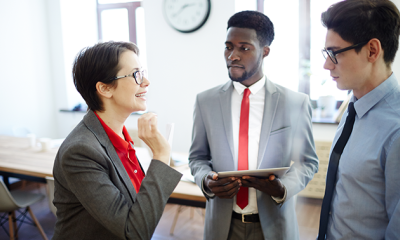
332 54
138 76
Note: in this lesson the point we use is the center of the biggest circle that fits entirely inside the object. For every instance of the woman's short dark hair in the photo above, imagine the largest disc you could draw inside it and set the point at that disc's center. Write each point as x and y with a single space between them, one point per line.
257 21
98 63
357 21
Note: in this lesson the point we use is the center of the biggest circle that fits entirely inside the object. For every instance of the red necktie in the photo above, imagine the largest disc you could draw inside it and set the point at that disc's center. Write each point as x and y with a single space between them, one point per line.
242 198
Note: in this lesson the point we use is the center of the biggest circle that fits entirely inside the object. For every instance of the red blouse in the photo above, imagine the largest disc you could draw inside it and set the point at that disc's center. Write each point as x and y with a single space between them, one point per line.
126 154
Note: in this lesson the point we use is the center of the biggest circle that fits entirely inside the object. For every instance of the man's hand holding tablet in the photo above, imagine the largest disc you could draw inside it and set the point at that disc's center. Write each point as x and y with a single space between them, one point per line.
265 180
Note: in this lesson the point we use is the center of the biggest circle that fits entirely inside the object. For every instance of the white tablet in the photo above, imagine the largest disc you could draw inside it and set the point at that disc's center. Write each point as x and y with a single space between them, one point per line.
279 172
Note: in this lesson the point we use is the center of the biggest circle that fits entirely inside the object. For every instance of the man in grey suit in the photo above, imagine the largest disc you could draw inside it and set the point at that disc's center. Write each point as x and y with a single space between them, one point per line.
278 131
101 191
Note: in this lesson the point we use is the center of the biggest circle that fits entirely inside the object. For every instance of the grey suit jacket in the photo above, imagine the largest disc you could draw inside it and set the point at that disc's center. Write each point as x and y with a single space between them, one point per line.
286 135
94 196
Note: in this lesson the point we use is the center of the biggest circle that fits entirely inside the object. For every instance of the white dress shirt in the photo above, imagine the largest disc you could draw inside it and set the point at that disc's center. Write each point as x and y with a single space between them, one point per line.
257 97
257 100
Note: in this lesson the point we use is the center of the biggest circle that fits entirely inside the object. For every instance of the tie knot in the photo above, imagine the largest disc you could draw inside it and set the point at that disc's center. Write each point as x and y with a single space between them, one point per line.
351 109
246 93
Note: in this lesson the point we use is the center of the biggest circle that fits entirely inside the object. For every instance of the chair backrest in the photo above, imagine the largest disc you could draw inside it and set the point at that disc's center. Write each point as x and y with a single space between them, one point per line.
50 194
7 203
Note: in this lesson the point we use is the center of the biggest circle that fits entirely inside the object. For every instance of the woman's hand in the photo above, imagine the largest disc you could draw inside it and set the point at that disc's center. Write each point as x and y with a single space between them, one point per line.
148 132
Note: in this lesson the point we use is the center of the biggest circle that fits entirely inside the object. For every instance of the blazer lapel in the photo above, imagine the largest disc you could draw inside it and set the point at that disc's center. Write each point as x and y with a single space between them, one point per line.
225 98
270 107
95 126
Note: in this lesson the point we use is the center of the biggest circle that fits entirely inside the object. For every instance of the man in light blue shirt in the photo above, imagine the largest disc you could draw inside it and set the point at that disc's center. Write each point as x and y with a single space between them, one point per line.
361 43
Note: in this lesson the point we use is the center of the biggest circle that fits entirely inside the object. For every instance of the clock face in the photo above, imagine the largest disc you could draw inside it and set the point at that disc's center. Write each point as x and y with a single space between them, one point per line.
186 15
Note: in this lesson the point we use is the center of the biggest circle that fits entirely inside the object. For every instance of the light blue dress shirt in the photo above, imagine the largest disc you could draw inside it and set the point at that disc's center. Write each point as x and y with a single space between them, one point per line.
366 200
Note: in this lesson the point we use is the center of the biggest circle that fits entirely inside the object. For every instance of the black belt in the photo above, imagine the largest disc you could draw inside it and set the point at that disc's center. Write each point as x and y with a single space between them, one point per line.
246 218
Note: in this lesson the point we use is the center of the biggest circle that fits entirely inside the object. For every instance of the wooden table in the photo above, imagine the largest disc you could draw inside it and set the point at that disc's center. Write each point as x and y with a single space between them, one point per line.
18 159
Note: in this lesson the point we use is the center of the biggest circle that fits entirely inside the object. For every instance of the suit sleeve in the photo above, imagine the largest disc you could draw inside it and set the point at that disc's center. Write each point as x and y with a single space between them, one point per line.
199 156
87 177
303 153
392 186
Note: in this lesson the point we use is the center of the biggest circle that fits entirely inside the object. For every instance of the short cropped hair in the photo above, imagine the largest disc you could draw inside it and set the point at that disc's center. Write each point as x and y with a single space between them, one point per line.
98 63
357 21
257 21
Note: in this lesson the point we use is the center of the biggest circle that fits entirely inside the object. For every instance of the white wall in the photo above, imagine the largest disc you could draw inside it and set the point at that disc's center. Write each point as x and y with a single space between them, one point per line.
26 98
73 28
182 65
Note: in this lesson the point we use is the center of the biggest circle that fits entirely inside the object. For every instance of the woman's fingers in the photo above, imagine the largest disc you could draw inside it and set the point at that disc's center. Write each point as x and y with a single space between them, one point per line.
148 132
153 125
147 125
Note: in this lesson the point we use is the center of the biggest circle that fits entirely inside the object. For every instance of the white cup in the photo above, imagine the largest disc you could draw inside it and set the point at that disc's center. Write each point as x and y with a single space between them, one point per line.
32 139
45 144
327 104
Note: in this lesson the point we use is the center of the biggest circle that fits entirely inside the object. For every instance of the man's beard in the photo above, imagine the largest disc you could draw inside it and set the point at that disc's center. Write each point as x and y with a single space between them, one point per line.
246 75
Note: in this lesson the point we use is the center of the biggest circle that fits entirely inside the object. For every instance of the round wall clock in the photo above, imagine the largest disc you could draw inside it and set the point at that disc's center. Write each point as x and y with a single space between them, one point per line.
186 15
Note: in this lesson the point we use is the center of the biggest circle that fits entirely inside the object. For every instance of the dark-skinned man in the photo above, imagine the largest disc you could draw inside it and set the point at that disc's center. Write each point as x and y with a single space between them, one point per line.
251 123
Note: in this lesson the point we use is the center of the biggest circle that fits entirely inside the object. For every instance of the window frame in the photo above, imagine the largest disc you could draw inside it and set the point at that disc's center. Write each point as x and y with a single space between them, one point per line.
130 6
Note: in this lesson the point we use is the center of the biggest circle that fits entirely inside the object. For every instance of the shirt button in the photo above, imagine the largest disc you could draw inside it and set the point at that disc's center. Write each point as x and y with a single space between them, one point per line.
135 171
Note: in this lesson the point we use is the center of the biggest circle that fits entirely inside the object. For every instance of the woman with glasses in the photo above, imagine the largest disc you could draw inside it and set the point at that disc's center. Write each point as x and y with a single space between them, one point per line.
101 190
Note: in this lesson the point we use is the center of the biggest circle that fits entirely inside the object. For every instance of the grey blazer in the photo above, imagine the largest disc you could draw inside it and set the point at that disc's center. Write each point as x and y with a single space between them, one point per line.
286 135
94 196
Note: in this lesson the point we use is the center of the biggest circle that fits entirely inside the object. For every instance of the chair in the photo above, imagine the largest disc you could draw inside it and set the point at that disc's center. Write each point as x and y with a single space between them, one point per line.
14 200
50 194
180 208
19 131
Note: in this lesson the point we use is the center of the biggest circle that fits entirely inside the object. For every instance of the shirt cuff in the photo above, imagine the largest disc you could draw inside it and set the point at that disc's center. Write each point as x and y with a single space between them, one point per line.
206 191
279 200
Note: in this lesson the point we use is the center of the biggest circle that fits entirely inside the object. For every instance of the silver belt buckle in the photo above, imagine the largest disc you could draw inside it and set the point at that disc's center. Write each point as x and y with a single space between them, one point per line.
243 221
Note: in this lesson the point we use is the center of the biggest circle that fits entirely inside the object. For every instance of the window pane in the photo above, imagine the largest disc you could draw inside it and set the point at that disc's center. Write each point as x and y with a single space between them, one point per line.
114 25
321 84
116 1
141 35
282 64
241 5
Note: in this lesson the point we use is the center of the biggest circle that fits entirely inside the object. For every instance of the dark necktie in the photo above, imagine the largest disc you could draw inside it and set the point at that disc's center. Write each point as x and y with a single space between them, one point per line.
332 171
242 197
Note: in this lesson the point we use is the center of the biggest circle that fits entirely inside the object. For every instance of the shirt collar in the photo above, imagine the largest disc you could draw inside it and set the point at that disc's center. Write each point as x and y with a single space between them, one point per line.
119 143
364 104
253 88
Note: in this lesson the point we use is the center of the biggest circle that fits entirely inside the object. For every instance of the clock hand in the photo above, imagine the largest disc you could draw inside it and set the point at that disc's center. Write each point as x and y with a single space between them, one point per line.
182 8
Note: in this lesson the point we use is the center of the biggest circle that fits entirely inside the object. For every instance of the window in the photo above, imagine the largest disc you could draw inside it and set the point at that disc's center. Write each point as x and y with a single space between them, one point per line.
282 64
295 60
284 49
116 20
321 83
241 5
120 20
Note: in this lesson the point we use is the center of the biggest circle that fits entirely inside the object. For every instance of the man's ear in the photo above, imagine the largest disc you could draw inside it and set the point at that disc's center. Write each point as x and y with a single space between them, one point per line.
375 50
104 90
266 50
